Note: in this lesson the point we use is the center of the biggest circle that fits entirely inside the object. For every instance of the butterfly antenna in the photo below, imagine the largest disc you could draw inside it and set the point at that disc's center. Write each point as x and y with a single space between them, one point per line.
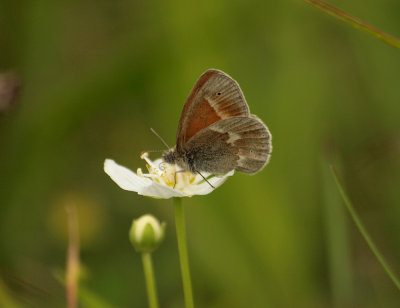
151 151
159 137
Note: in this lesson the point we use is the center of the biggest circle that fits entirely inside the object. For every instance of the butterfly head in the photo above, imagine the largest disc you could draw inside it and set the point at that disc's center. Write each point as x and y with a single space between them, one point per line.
170 156
174 157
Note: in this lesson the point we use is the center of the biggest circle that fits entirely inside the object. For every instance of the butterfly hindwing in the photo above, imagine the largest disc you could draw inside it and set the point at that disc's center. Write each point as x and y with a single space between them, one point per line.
240 143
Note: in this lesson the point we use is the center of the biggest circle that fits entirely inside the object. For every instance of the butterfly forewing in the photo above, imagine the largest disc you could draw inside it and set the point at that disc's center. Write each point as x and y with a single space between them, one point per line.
214 97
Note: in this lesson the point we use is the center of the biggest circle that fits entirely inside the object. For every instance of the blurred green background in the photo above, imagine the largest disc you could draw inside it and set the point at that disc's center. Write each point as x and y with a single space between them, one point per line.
96 75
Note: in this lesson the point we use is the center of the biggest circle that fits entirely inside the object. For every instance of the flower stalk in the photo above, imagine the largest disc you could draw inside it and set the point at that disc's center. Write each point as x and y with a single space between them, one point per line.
183 254
150 281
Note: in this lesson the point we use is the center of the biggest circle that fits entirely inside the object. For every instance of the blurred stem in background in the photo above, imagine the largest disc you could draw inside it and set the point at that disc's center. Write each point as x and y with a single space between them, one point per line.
364 232
388 39
72 258
183 254
337 243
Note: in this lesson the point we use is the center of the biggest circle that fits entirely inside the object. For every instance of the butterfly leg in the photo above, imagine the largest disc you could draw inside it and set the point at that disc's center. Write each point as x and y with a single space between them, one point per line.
205 179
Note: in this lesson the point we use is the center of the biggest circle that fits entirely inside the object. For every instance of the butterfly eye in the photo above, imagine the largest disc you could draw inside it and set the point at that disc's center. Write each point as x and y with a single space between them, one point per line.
219 93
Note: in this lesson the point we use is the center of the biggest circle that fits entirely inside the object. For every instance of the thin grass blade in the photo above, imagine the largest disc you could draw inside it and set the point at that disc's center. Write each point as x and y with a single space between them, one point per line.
387 38
364 232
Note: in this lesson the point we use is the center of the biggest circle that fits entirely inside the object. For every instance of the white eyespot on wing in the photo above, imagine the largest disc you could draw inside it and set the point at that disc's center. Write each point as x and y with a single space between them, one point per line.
232 136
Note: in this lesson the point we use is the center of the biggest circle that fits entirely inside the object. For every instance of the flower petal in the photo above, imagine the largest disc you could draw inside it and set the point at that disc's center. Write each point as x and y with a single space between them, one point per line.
160 191
128 180
152 187
125 178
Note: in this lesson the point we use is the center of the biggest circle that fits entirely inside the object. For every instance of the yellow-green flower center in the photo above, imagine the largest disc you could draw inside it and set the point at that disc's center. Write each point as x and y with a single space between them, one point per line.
167 174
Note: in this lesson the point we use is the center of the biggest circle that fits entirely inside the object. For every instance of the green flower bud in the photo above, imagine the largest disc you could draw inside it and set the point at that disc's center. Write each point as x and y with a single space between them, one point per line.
146 233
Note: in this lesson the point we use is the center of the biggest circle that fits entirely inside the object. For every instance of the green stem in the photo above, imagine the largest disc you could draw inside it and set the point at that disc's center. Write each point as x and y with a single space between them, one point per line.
364 232
150 281
183 255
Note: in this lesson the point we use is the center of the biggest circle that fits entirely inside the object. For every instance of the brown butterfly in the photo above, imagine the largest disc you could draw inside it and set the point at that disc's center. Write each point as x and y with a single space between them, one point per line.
216 132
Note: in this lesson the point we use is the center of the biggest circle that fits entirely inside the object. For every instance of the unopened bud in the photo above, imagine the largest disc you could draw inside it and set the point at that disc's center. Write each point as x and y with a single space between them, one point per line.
146 233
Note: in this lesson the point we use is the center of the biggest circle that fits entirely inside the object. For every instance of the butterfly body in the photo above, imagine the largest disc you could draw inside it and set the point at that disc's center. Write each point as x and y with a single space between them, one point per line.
216 132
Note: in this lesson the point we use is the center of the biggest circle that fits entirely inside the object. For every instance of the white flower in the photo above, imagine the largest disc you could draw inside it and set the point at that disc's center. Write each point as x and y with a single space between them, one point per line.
160 181
146 233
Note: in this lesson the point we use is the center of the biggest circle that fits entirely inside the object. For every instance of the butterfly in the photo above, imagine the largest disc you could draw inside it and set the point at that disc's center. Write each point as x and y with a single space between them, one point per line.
216 132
